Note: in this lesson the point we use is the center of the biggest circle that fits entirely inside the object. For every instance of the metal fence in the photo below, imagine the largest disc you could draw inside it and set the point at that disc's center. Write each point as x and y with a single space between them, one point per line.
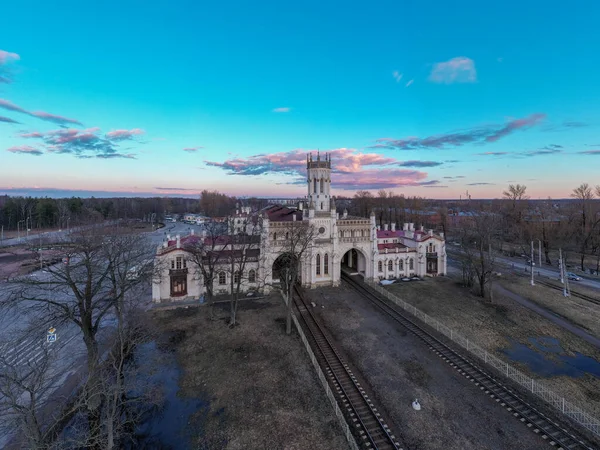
338 412
567 408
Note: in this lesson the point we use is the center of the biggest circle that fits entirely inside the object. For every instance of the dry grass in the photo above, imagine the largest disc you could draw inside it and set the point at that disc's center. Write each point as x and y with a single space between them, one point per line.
492 325
263 391
578 311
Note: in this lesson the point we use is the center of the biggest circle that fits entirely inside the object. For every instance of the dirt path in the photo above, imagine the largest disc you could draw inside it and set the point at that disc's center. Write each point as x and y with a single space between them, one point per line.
549 315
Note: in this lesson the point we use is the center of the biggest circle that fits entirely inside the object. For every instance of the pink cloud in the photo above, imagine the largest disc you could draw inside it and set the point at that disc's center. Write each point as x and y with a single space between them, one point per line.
380 179
8 56
25 150
5 104
54 118
192 149
477 135
282 110
456 70
120 135
353 169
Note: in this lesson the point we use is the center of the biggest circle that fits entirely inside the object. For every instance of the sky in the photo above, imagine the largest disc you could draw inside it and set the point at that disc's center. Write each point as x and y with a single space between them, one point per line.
434 99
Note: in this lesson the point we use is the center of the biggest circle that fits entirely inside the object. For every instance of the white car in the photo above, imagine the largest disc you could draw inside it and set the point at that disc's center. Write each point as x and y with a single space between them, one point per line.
572 276
386 282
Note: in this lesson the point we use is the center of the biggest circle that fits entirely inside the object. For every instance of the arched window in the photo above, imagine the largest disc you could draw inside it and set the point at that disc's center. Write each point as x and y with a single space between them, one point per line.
321 206
322 186
252 276
274 236
411 264
390 265
401 265
287 235
380 266
315 185
222 278
326 264
236 276
318 264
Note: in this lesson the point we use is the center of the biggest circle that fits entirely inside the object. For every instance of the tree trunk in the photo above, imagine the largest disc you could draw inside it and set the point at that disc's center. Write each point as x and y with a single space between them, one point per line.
582 261
288 322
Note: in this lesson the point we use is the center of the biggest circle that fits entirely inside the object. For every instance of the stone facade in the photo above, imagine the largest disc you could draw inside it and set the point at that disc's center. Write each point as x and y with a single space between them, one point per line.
341 242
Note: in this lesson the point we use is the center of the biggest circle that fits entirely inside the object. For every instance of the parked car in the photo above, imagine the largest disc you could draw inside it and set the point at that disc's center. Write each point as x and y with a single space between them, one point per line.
572 276
530 262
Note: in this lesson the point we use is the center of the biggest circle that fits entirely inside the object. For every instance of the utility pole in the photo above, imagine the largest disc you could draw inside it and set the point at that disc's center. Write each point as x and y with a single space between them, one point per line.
531 264
41 254
540 252
560 266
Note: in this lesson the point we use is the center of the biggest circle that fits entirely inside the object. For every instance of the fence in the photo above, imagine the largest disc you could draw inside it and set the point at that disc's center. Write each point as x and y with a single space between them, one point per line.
338 412
564 406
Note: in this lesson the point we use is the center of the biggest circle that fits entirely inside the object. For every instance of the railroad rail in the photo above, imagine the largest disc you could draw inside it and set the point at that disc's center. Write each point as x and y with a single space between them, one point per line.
369 426
585 297
540 423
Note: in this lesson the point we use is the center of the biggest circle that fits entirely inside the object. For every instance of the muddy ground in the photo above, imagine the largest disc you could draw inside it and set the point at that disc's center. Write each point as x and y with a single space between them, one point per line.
263 390
399 368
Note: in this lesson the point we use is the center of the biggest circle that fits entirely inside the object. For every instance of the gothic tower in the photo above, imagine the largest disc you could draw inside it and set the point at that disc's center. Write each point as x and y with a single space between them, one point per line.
319 181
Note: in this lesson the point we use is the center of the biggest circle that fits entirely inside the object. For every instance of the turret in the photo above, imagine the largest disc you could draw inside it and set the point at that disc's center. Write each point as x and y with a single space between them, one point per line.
319 181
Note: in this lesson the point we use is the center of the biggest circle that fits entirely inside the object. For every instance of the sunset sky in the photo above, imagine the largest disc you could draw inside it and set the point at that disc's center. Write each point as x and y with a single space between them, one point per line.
422 98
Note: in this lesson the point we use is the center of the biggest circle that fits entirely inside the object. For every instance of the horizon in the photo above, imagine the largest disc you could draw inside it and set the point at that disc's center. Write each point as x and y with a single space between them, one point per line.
232 99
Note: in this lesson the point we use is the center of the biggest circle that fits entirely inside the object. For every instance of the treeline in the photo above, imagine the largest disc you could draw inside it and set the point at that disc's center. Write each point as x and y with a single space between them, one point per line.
33 212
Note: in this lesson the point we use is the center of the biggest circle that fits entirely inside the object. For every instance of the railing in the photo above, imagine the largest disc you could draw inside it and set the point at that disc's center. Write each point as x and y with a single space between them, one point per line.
338 412
566 407
178 271
431 255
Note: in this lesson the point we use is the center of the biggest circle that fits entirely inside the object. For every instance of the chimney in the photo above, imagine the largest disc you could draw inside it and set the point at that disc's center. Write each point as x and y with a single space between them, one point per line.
192 231
345 213
442 234
422 228
165 244
168 237
300 206
337 215
405 226
385 226
378 227
178 241
294 217
394 227
430 232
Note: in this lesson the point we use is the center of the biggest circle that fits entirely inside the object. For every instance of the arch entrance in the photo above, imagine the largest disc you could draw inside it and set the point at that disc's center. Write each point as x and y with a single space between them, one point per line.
283 268
354 262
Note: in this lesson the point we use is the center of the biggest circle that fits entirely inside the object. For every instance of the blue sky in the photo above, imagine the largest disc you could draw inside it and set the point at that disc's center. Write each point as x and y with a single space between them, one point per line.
428 99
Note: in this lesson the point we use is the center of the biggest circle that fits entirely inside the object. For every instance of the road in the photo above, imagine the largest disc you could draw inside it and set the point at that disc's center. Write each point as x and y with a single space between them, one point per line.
547 271
52 235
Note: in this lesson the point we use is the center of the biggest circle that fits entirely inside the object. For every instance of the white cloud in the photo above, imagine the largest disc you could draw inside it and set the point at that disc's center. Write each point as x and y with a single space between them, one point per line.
409 82
397 76
456 70
282 110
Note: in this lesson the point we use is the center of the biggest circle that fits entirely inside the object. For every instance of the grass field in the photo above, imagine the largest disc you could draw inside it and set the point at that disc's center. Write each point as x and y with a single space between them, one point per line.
263 389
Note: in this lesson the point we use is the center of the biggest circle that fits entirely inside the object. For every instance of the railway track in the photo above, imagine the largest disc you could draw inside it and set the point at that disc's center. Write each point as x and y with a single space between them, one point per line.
540 423
369 427
585 297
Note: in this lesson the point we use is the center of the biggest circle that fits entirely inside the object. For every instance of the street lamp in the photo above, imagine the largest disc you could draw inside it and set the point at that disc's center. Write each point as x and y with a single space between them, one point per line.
19 230
27 224
68 218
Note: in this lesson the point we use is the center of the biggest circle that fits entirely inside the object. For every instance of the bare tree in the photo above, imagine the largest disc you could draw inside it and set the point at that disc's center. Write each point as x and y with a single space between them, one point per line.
588 222
206 254
239 261
26 383
89 287
296 240
478 260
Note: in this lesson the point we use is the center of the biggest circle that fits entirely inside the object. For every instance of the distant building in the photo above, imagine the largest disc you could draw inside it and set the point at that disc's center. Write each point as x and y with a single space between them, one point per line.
352 243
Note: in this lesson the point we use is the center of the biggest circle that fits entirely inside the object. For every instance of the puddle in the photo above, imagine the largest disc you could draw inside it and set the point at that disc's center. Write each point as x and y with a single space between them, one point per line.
170 426
547 358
